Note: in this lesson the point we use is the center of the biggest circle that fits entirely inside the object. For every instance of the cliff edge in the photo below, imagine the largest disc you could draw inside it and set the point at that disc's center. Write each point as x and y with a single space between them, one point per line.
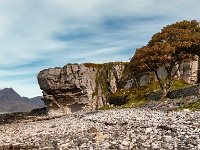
77 87
88 86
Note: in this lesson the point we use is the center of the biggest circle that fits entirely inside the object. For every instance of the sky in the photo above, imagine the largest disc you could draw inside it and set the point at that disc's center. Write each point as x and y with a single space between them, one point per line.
41 34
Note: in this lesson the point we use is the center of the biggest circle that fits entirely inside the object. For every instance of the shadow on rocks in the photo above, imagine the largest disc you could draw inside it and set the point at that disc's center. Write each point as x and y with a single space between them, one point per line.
20 116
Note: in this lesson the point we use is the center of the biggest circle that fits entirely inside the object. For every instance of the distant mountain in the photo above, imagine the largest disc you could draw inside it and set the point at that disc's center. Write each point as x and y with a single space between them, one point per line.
35 100
10 101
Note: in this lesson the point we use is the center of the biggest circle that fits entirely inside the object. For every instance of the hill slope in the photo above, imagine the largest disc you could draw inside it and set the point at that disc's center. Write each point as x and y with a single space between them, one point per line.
10 101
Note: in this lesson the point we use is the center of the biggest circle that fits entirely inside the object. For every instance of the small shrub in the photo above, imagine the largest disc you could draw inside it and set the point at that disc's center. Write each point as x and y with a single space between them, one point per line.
118 100
90 65
155 96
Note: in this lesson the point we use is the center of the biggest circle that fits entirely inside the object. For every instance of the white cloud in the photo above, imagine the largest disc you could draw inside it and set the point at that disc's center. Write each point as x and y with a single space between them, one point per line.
37 34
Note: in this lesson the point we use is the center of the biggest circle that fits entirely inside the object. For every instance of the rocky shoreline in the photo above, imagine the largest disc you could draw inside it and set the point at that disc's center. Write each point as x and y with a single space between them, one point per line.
112 129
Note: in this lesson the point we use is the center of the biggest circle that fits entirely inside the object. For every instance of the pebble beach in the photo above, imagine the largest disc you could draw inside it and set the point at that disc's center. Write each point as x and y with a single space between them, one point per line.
121 129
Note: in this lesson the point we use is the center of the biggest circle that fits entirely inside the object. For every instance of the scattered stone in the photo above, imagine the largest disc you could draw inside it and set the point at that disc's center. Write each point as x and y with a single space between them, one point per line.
186 110
148 130
167 128
100 137
143 137
154 146
113 129
92 130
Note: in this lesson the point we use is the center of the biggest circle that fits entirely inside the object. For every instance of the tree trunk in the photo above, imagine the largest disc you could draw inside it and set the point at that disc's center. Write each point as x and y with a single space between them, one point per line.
159 81
164 92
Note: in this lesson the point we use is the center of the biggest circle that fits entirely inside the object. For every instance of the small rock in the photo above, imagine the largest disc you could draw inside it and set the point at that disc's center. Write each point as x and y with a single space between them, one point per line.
186 110
106 144
198 146
148 130
126 143
133 140
121 147
92 130
168 139
100 137
154 145
143 137
64 145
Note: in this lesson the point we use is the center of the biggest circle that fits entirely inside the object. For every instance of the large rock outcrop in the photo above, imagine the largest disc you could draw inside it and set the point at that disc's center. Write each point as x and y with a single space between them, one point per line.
88 86
78 87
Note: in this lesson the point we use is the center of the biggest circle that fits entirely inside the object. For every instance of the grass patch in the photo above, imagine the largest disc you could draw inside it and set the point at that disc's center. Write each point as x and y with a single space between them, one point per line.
90 65
192 106
106 107
179 84
138 96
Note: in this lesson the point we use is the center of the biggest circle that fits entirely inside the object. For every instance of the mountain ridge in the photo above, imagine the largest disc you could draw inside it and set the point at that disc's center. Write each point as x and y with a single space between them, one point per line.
11 101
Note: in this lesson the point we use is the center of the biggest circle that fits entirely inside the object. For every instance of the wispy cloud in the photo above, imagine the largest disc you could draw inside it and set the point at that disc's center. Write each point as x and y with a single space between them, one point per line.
39 34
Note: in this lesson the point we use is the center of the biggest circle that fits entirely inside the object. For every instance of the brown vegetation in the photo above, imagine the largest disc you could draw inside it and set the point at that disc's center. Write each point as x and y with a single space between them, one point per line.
175 44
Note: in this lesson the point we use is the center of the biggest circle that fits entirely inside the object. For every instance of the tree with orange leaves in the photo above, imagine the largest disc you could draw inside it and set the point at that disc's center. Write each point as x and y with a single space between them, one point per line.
175 44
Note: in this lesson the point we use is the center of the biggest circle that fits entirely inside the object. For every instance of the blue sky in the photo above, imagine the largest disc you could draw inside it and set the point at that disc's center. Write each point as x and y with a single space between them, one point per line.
40 34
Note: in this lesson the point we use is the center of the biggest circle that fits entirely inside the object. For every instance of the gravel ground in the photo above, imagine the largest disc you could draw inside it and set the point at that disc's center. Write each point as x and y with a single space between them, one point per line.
113 129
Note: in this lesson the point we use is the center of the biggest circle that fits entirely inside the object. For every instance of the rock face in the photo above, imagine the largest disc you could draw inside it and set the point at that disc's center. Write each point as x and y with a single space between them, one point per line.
188 71
88 86
78 87
185 92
